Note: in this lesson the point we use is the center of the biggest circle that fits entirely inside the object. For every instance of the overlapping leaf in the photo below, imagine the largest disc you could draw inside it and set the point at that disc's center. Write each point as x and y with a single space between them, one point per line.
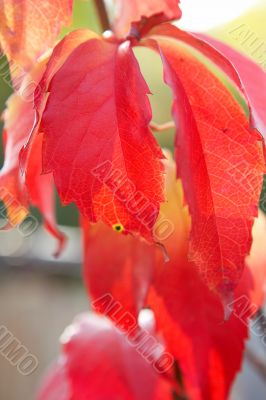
28 28
97 142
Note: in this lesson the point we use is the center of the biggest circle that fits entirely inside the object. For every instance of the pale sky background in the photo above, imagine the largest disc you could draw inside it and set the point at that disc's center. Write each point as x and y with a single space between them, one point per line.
206 14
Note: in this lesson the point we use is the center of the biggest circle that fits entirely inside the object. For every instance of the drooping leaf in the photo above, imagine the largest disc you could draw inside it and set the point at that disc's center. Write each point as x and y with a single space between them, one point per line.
208 349
28 28
124 270
18 192
249 77
143 14
41 192
97 142
99 363
220 161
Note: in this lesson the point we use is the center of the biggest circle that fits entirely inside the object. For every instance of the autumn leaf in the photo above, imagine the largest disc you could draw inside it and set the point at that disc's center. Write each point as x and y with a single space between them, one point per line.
143 14
18 192
102 154
29 28
18 119
98 363
41 192
221 164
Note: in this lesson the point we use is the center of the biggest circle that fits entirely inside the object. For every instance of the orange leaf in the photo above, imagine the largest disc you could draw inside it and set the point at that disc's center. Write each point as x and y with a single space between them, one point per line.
29 28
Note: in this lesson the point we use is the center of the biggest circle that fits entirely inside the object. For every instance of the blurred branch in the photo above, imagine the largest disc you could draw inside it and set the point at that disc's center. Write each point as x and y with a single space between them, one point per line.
161 127
102 13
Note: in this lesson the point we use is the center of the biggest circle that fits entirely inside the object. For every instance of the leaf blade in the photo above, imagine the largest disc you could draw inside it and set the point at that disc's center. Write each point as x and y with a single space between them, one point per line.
221 164
107 112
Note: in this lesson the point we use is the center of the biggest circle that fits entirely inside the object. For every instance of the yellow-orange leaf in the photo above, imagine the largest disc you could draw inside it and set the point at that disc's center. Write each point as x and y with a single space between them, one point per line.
28 28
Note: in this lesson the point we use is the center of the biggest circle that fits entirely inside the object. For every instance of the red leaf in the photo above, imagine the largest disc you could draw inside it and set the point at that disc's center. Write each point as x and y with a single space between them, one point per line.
246 74
28 29
41 192
208 350
124 269
143 13
18 192
102 153
98 363
221 164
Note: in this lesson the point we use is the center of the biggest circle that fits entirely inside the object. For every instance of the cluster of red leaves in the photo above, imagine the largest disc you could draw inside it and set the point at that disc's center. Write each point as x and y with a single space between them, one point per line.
86 128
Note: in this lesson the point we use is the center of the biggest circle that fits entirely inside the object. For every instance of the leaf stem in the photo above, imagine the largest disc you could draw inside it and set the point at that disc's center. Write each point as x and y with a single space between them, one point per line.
102 14
161 127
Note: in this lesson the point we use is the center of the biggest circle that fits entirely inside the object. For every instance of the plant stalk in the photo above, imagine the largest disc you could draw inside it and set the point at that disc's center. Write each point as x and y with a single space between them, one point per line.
102 14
